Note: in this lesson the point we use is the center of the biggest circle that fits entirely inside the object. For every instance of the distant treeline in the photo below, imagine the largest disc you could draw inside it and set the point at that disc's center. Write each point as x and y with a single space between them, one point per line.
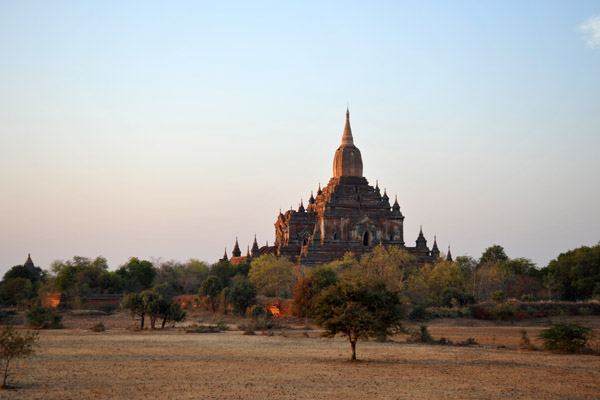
574 275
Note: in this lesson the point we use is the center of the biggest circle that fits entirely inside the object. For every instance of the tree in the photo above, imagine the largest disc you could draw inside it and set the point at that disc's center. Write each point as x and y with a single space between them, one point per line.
133 302
273 276
493 254
242 296
358 310
14 345
138 274
308 288
576 273
388 263
211 289
171 311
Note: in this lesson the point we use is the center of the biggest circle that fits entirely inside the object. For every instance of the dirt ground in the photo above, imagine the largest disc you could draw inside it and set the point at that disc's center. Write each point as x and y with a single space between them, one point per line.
75 363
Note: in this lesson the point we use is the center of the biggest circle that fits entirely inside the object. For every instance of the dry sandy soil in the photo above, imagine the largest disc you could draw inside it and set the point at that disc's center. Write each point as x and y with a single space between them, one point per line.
75 363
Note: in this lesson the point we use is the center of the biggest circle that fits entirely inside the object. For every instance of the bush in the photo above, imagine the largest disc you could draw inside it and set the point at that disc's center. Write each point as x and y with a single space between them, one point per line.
44 318
421 335
528 298
98 327
107 308
566 337
452 296
504 311
196 328
525 343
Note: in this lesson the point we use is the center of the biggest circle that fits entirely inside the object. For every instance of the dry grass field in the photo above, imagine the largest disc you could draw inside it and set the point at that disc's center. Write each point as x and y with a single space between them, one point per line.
75 363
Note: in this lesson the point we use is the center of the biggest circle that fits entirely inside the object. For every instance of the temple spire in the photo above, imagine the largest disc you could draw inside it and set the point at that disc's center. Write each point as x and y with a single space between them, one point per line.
347 137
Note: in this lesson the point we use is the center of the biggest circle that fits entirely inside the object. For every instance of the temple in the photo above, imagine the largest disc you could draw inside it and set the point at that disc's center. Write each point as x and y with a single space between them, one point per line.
348 215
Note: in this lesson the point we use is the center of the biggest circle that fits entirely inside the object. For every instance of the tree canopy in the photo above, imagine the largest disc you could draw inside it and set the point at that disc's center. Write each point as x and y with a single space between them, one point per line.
358 310
273 276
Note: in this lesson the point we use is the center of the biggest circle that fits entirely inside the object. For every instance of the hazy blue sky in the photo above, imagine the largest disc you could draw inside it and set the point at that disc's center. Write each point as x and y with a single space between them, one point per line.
166 129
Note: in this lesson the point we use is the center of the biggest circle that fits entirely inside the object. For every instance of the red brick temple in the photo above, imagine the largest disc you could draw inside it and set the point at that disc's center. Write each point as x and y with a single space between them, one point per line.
348 215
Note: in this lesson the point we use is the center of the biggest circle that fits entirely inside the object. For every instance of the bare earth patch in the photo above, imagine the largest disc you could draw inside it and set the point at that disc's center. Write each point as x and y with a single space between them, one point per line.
75 363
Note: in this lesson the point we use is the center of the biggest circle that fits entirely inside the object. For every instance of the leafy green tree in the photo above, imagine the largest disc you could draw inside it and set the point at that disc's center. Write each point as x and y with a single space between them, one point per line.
20 271
211 289
358 310
15 291
273 276
79 276
223 270
493 254
171 311
14 345
390 264
242 296
134 303
576 273
138 274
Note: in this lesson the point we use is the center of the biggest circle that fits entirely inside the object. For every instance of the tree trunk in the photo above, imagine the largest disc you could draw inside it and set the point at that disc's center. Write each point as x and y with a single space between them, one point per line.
353 348
142 323
5 374
164 322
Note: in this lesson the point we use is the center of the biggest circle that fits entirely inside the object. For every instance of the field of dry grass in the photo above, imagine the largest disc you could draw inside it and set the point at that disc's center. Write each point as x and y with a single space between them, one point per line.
75 363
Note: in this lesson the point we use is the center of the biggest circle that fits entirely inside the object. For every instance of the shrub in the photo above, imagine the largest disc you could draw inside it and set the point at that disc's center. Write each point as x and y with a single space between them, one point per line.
528 298
107 308
196 328
525 343
421 335
14 345
498 296
455 297
504 311
566 337
98 327
44 318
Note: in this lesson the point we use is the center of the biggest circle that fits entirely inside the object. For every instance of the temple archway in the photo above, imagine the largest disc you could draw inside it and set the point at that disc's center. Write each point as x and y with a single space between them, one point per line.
366 238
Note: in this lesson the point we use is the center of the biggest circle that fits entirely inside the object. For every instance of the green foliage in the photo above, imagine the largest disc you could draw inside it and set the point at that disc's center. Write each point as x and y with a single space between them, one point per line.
577 273
134 303
242 296
451 297
504 311
14 345
528 297
421 335
34 274
15 291
566 337
137 274
358 310
390 264
44 318
493 254
211 289
273 276
498 296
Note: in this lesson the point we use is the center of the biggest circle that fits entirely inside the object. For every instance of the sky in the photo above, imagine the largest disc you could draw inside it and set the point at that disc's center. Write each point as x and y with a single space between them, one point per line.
164 130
